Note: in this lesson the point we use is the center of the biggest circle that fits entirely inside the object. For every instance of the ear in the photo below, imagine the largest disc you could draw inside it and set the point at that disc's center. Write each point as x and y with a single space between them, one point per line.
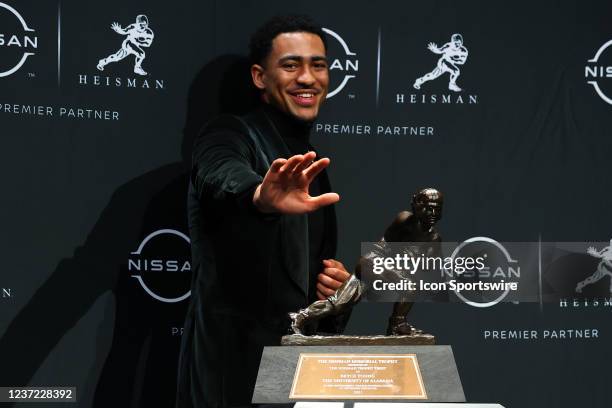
257 74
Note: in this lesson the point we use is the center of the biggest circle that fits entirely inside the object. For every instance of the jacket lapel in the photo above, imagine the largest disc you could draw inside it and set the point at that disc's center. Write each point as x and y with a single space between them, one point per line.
294 228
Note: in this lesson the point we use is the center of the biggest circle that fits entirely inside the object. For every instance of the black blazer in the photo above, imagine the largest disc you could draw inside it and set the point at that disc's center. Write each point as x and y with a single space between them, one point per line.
249 269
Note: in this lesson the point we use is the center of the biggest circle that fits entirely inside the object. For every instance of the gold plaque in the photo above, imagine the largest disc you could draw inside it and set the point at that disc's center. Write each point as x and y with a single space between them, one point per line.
357 376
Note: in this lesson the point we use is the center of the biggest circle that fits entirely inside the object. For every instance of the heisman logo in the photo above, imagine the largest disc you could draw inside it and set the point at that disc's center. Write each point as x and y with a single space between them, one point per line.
161 265
598 71
347 64
453 54
138 36
603 269
25 41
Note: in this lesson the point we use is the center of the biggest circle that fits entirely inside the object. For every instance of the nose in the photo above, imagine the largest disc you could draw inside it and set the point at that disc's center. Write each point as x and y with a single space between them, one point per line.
305 76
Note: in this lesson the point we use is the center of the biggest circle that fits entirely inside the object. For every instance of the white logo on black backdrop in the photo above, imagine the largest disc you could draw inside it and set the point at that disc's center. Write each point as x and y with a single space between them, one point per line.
25 42
343 67
453 55
347 64
17 43
138 36
604 268
598 70
500 266
162 265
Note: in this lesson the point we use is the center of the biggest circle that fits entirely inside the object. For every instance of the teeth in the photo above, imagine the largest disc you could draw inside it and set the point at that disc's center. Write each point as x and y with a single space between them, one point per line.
305 95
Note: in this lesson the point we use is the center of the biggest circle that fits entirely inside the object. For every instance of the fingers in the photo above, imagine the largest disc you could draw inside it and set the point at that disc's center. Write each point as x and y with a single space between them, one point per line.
306 162
301 163
304 169
298 163
315 168
328 282
332 263
291 163
276 165
339 275
333 276
288 180
323 200
325 291
331 279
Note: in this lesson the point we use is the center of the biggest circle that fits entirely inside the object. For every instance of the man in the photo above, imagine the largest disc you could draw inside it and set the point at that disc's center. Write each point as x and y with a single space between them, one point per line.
138 35
453 54
262 227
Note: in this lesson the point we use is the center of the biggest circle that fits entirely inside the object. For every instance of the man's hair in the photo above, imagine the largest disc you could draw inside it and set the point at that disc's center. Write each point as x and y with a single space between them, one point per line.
261 40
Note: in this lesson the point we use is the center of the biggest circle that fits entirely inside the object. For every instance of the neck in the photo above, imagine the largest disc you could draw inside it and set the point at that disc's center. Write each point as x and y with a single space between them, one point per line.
287 125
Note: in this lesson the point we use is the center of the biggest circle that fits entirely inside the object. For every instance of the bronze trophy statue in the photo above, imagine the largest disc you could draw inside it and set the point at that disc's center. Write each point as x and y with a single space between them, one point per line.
416 226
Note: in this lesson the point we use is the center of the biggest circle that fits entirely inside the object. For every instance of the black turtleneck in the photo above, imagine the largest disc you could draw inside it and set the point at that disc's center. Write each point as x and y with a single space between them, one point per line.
296 135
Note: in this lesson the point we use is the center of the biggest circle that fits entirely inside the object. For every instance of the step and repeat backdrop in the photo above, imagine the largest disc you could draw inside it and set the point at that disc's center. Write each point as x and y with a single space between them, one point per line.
100 103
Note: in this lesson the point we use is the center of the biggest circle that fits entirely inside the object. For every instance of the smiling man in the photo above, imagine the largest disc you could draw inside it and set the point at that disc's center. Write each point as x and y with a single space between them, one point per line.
294 77
262 223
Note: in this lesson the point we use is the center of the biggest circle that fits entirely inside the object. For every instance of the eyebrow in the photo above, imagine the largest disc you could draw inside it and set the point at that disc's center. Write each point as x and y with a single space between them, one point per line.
314 58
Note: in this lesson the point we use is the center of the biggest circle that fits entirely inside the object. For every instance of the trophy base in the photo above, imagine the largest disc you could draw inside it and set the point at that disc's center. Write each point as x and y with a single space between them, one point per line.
415 339
284 371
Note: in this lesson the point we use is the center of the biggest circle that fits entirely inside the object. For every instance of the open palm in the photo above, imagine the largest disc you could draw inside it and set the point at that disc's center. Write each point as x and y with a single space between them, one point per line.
285 188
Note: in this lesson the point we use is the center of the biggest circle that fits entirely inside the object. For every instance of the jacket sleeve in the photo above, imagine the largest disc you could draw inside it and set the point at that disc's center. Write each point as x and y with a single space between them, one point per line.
223 168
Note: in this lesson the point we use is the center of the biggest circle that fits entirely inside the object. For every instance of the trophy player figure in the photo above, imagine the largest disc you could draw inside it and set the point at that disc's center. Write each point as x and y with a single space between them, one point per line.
416 227
453 54
139 36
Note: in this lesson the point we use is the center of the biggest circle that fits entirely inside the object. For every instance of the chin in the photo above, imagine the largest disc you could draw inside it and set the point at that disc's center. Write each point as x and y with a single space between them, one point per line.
305 116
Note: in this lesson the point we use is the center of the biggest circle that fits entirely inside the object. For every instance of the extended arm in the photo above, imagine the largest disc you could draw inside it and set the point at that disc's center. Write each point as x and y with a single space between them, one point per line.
433 47
223 170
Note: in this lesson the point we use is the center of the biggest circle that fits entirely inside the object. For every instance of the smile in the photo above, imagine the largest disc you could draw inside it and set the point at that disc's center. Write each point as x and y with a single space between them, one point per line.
304 98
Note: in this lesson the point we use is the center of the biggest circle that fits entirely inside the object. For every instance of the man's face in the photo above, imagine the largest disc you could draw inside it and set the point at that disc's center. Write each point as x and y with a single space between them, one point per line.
295 76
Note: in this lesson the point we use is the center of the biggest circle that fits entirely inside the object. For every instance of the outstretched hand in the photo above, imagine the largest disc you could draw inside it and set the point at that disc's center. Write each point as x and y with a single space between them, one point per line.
284 188
433 47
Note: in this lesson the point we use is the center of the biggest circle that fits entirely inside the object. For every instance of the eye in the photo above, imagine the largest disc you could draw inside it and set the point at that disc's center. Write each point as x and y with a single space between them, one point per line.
290 66
320 65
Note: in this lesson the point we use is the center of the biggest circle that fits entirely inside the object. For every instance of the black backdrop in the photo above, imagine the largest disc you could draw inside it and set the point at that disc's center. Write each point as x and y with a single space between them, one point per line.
520 154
